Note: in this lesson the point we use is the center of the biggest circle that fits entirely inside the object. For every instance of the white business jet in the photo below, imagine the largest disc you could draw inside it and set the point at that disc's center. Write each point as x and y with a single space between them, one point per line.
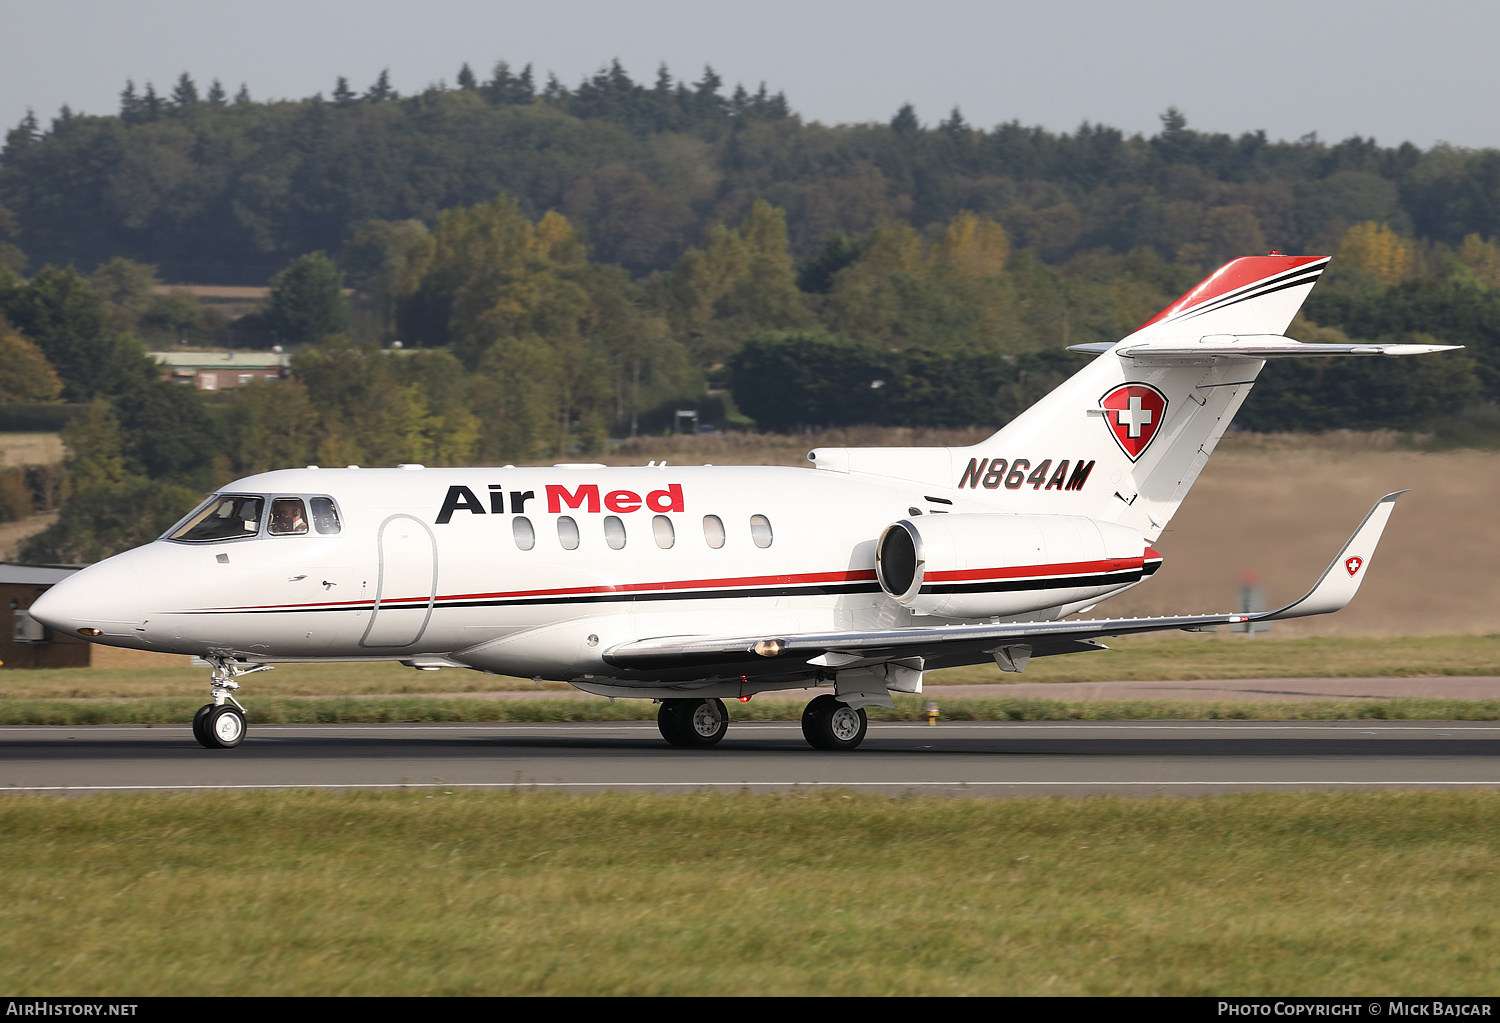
692 585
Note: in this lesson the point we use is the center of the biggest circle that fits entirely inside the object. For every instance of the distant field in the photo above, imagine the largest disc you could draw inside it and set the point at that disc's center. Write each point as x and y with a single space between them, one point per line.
448 893
30 448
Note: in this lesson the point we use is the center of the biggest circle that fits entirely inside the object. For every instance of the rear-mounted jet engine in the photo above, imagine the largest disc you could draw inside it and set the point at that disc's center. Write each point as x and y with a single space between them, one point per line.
979 566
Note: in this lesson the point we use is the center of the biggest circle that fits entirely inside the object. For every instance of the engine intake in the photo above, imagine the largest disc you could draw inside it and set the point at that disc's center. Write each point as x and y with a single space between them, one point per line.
981 566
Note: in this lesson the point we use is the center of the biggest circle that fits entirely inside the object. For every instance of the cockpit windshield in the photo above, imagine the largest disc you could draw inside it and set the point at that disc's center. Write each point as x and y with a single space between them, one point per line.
221 517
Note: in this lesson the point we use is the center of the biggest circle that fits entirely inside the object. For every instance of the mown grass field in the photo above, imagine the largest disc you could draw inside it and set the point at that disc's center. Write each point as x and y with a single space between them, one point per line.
529 893
1148 658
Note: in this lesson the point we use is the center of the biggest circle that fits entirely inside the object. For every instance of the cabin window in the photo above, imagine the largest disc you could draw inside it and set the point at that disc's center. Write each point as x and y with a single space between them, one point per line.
713 531
325 516
221 517
520 528
567 533
661 529
760 530
614 532
288 517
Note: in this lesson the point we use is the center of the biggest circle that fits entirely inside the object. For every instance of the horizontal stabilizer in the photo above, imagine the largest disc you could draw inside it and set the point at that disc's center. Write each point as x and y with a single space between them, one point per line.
1209 349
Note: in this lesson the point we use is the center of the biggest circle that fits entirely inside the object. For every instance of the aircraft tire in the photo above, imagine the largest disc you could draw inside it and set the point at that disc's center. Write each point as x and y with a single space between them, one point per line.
224 727
667 723
198 731
702 723
829 724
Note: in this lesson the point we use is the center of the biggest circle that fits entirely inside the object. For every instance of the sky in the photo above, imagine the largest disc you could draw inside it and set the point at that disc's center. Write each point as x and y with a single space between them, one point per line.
1422 73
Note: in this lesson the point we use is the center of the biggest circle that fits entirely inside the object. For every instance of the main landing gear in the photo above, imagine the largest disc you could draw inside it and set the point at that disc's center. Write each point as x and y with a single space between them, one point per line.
221 724
693 722
828 723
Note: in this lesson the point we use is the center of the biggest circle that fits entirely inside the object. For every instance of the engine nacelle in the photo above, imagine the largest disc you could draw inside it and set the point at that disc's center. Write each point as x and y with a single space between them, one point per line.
981 566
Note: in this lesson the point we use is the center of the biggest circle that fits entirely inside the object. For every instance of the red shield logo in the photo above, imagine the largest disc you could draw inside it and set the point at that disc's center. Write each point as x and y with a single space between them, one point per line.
1134 412
1351 565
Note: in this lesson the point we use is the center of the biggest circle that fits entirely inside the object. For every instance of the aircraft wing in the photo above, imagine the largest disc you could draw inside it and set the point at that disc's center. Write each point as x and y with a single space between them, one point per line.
1007 642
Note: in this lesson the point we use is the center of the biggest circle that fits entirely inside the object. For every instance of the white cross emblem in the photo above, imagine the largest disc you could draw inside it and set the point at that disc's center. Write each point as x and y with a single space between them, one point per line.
1133 417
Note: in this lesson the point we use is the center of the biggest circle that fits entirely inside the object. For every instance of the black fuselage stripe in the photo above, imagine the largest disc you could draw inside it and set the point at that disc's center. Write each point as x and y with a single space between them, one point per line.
1012 585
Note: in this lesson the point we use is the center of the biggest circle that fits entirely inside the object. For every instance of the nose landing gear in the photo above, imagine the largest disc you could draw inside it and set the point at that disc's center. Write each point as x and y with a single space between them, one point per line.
221 724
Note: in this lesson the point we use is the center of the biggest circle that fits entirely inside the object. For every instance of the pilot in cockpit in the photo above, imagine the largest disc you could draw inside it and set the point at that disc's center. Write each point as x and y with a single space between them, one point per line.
286 517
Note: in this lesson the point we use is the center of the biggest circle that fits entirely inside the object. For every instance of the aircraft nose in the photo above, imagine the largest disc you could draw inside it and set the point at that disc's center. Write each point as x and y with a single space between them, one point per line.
99 597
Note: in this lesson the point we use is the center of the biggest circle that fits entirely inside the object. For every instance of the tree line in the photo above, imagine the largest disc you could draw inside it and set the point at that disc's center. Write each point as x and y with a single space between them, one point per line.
216 189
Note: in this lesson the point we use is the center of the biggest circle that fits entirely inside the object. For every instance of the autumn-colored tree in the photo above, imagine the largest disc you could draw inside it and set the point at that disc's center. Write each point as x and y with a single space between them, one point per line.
25 373
737 282
1375 249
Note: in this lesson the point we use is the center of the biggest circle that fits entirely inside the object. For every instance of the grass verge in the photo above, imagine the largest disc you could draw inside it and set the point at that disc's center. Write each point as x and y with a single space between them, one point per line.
347 709
1134 659
306 893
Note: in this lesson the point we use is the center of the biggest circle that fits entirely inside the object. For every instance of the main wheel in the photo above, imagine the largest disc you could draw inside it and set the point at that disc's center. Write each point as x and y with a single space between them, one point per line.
198 731
224 727
666 723
693 722
828 724
703 722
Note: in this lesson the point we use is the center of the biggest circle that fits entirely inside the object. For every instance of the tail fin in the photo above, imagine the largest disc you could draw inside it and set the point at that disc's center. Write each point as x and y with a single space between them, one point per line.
1146 425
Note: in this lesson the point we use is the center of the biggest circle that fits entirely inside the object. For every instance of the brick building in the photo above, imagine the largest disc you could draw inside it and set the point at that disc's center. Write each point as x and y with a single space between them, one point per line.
217 371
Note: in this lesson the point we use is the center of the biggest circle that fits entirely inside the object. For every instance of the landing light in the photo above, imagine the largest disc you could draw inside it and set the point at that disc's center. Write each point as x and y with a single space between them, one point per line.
769 647
89 632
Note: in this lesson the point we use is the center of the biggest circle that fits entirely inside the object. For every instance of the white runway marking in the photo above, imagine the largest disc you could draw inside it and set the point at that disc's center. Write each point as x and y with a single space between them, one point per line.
739 785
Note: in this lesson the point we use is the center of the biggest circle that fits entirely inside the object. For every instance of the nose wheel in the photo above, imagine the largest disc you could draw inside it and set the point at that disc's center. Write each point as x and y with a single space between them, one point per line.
221 727
221 724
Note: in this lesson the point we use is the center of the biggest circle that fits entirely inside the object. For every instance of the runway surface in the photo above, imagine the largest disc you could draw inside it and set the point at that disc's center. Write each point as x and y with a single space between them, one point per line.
984 759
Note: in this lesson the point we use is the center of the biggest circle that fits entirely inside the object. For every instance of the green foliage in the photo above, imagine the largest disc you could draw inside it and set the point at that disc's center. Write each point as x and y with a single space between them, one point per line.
125 287
92 353
172 315
168 434
792 381
95 450
12 259
104 519
307 300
